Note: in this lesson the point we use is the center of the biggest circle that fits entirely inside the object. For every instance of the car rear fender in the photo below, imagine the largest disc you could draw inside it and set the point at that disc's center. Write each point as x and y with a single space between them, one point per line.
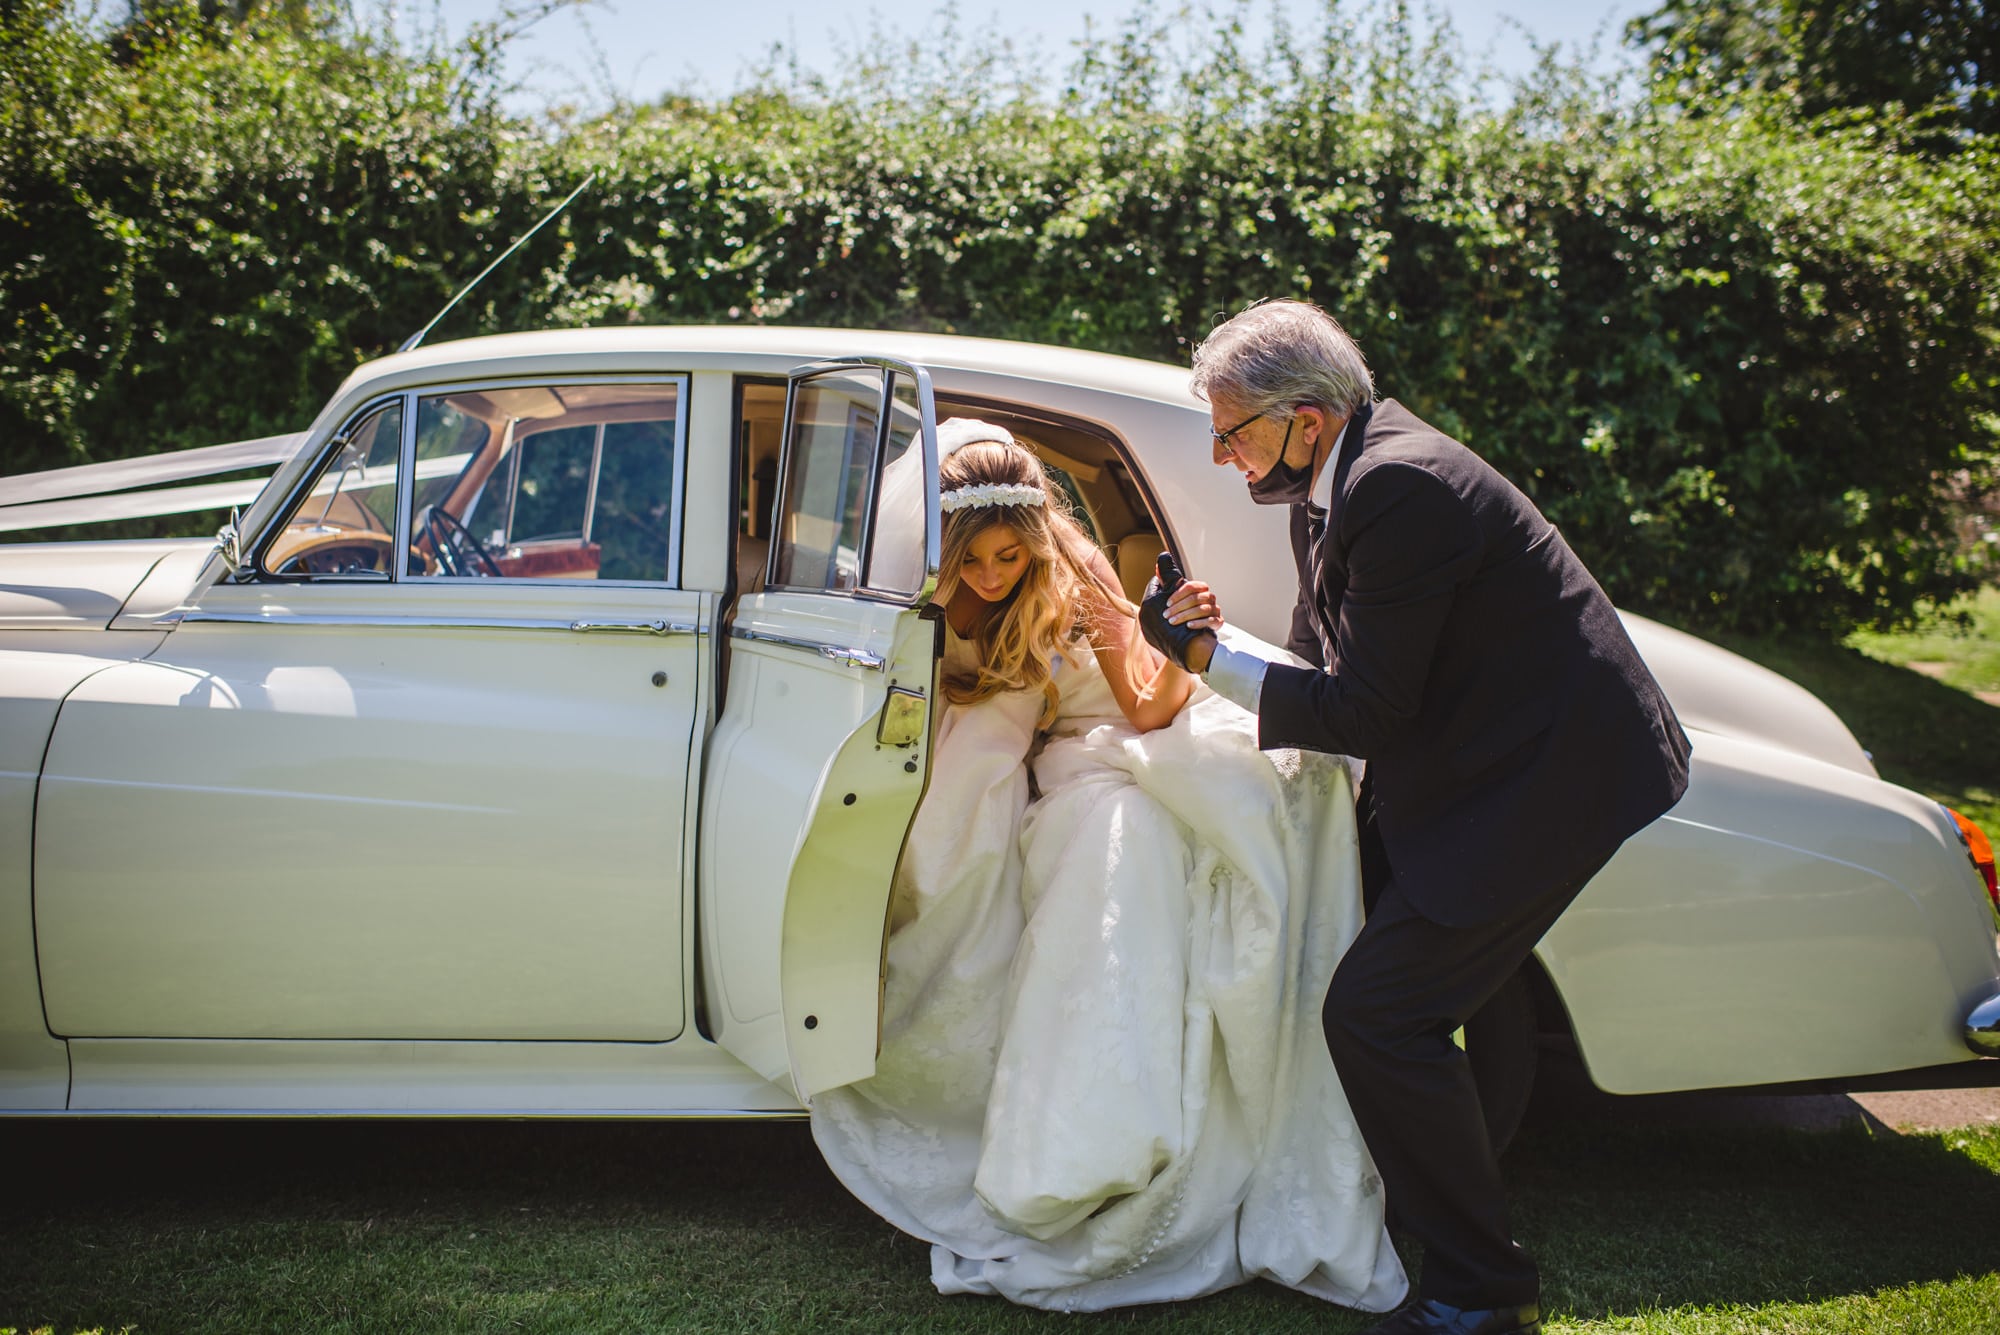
1790 920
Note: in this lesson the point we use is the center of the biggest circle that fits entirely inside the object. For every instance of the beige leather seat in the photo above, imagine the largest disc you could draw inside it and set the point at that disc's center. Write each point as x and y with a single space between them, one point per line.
1136 553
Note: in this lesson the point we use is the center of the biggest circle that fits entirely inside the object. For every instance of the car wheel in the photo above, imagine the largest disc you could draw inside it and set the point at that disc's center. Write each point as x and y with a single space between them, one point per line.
1500 1046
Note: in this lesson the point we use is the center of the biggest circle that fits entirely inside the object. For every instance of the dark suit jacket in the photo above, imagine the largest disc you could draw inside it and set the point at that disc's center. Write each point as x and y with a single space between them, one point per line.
1513 737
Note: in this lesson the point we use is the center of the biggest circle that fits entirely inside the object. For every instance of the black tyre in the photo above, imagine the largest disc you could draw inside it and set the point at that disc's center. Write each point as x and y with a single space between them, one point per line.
1500 1045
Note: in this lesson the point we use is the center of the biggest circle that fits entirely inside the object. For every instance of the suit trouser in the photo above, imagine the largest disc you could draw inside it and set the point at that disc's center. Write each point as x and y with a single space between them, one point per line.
1405 984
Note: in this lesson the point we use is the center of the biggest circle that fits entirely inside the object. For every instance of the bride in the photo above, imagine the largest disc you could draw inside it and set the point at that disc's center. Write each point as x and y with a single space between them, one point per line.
1102 1079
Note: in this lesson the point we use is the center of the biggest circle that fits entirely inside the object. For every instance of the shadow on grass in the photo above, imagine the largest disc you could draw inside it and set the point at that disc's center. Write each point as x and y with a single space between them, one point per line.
688 1227
1655 1202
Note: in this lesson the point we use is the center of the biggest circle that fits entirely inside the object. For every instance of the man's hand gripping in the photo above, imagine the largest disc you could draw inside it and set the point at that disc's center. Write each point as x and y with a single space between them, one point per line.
1178 616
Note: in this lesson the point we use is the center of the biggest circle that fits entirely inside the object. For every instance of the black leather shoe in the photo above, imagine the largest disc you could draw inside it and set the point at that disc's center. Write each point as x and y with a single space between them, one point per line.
1436 1318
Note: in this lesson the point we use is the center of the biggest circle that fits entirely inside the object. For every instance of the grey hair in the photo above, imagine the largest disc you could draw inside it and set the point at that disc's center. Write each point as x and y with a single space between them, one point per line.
1276 355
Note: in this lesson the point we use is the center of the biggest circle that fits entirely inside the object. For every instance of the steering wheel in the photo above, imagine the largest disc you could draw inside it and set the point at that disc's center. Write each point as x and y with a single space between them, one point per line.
333 559
450 539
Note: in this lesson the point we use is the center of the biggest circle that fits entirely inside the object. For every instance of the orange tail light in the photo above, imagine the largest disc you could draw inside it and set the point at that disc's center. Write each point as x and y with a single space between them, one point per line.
1980 849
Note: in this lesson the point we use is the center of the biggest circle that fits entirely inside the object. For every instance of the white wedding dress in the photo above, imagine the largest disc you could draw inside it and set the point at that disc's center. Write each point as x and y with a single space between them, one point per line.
1102 1079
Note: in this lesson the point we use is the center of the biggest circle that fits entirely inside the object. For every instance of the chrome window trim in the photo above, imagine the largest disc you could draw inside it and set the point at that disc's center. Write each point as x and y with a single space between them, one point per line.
406 492
254 560
569 624
596 473
677 537
888 368
848 657
513 485
682 382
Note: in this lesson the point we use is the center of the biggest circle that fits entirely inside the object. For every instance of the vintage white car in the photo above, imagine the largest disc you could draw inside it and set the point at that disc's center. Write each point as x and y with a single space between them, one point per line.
543 738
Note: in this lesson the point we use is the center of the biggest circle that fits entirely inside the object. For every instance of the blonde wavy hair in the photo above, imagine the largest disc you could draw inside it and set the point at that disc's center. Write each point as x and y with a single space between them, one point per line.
1057 595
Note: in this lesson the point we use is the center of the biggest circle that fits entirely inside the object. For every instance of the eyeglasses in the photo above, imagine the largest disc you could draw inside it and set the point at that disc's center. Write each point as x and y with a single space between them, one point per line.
1222 437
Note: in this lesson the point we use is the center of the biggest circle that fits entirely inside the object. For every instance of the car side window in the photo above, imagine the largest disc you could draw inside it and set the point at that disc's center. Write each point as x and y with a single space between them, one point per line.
840 461
830 461
345 525
896 546
546 482
537 481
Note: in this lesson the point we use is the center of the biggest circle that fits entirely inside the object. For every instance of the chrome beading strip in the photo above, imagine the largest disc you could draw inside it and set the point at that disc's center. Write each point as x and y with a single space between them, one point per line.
860 658
442 623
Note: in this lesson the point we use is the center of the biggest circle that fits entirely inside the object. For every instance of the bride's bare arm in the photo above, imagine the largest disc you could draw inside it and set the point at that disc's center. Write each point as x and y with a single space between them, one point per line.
1149 689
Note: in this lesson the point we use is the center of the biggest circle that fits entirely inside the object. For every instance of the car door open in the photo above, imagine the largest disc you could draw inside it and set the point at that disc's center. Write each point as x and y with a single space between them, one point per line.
823 748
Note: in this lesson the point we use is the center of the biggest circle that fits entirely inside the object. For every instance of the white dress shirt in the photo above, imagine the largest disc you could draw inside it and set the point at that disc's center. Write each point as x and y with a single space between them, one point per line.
1236 670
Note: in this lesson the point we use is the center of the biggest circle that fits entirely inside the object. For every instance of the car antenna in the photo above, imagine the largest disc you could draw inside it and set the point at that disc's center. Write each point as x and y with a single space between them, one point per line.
519 241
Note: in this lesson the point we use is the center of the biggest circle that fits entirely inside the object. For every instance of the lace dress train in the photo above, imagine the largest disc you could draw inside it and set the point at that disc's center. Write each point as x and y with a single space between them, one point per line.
1102 1080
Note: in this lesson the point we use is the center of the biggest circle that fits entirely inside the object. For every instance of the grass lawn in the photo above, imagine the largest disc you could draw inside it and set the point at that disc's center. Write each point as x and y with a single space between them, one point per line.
1962 653
1642 1226
1643 1223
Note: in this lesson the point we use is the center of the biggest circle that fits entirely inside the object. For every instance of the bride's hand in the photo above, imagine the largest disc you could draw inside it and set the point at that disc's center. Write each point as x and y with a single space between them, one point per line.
1194 604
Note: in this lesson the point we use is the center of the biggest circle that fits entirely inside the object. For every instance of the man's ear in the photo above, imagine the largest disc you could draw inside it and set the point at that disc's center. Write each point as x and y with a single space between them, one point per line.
1312 422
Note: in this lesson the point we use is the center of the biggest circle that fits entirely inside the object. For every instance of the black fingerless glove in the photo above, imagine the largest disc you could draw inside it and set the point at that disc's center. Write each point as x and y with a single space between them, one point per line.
1173 641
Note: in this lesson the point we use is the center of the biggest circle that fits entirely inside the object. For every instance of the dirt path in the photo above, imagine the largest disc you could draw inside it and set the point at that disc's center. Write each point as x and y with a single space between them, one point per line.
1563 1092
1935 671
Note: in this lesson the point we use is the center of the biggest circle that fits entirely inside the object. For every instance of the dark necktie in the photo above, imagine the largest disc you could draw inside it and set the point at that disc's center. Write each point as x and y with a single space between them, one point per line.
1315 536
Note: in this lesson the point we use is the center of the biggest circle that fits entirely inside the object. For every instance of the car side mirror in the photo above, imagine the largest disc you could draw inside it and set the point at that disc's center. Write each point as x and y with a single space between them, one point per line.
229 542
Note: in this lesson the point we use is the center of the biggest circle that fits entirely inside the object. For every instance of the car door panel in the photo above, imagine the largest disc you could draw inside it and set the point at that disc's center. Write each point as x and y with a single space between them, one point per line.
306 817
809 791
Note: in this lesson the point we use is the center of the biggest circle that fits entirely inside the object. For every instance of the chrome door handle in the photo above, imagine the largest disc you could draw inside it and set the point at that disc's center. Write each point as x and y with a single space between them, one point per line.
634 627
846 657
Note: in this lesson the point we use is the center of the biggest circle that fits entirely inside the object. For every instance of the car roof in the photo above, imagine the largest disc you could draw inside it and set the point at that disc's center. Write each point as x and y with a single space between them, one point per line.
689 346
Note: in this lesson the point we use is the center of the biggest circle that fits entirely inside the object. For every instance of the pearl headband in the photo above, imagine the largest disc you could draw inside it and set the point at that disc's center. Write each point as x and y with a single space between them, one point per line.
991 493
953 435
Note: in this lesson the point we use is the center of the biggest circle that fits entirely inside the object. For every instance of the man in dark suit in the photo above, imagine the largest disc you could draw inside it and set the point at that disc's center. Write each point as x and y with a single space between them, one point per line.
1513 741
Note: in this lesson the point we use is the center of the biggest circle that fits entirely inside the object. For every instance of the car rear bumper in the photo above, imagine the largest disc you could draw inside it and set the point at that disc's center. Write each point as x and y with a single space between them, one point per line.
1982 1027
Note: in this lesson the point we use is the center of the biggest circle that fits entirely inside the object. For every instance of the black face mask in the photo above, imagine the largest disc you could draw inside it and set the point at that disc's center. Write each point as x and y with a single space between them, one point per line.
1284 484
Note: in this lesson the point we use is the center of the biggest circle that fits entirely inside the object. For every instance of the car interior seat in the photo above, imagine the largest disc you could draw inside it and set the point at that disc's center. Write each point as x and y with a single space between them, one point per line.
752 556
1135 556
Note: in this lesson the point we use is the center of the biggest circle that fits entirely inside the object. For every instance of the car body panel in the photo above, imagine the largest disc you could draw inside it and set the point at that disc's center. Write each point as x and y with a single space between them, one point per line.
765 902
161 597
837 897
783 701
1723 944
1713 690
688 1077
466 825
60 586
38 669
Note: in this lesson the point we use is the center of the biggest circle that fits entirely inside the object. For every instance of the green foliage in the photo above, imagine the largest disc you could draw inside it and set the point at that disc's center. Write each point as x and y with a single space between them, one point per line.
197 244
1744 359
1827 55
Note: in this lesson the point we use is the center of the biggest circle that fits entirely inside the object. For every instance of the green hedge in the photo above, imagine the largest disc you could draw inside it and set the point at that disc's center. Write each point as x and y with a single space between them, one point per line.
1746 362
